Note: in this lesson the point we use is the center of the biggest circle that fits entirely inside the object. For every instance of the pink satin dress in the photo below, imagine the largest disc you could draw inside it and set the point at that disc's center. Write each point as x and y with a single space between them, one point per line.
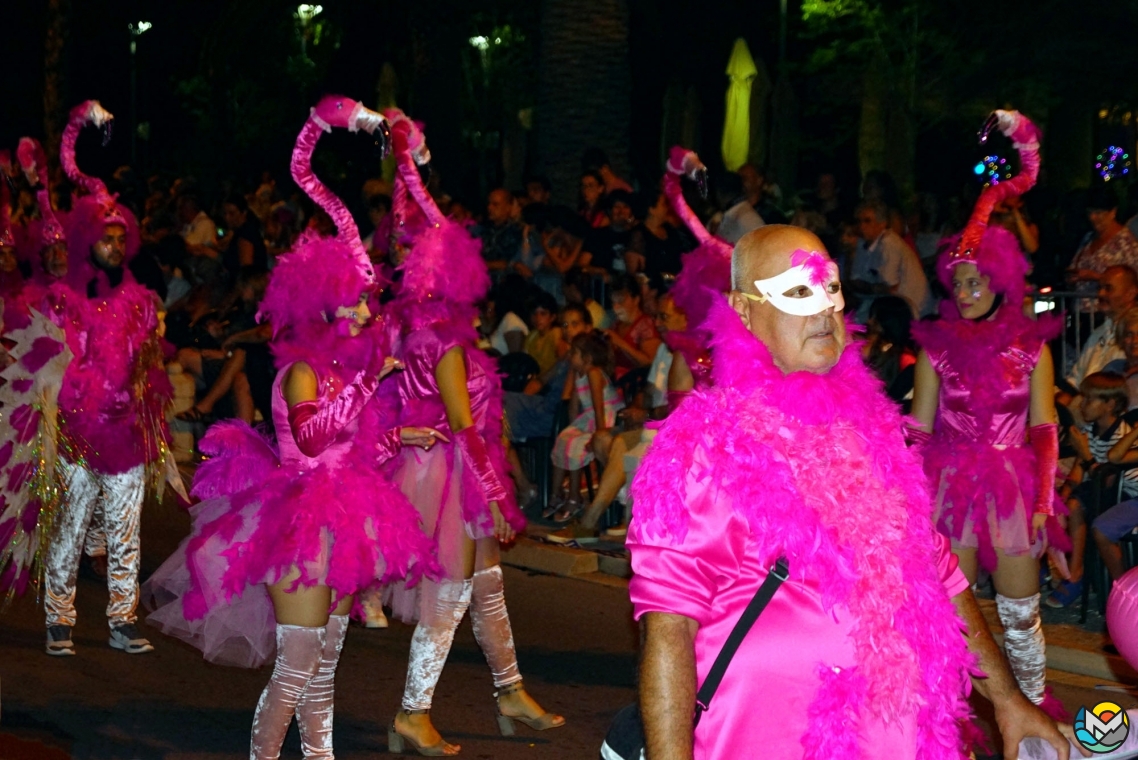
980 467
437 482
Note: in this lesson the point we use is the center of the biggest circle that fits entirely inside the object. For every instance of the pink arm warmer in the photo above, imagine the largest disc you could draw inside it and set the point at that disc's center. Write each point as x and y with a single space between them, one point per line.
388 445
1045 444
476 457
314 429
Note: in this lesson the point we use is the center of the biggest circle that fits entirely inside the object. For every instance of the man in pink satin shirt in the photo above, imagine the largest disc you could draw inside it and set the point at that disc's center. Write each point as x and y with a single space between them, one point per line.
870 647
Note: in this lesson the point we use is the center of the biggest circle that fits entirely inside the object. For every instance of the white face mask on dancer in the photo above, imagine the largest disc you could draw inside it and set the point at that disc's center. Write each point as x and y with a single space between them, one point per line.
809 287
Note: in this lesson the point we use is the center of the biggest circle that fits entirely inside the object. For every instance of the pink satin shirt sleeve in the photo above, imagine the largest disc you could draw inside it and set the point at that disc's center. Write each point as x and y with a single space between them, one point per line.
684 578
948 567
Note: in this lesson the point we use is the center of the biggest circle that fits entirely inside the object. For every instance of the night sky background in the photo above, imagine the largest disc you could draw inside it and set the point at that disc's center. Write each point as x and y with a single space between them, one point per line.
219 86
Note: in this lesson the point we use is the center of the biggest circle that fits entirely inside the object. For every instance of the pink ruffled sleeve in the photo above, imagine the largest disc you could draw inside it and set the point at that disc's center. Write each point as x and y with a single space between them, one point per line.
683 578
947 566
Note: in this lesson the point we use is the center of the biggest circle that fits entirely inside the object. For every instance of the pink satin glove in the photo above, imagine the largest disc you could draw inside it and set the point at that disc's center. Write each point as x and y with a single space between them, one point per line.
477 458
1045 443
388 445
314 429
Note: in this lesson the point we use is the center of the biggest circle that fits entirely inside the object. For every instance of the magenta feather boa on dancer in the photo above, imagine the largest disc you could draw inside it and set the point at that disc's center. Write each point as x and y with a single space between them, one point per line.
804 456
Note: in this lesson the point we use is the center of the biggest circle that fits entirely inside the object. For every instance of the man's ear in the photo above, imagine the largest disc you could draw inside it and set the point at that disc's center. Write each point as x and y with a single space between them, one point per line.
741 306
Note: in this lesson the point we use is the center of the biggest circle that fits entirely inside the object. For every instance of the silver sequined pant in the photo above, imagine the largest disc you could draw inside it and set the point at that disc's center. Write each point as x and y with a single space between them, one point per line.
119 499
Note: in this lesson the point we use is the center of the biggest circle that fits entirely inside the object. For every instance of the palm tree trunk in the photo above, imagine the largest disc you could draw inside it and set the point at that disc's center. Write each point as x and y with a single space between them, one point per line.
585 92
55 81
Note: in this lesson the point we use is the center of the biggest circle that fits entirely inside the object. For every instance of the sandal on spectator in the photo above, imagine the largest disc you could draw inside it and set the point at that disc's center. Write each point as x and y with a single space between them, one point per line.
568 512
553 508
1063 596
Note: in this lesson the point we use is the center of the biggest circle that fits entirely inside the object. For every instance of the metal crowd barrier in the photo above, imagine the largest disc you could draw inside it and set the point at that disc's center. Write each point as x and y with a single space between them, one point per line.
1080 313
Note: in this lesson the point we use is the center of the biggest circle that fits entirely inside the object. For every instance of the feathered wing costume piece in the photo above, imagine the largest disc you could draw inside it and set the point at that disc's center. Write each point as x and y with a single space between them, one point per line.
444 277
30 490
981 458
706 271
48 230
95 211
267 509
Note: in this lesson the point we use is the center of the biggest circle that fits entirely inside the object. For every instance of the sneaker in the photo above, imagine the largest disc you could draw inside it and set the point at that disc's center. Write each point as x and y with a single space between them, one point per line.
59 641
127 639
1066 594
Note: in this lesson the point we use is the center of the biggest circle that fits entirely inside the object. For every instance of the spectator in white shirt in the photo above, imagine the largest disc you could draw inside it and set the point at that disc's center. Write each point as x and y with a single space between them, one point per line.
1117 293
885 264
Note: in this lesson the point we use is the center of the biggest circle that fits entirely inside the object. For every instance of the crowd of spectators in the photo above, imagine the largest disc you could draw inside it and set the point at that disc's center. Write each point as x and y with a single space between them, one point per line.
580 303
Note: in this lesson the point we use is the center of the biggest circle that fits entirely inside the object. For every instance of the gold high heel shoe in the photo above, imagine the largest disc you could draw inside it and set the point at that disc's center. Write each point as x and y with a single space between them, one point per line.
542 722
396 742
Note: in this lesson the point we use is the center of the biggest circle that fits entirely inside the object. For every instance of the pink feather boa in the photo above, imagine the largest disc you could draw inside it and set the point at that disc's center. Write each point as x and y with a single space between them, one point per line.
972 352
804 459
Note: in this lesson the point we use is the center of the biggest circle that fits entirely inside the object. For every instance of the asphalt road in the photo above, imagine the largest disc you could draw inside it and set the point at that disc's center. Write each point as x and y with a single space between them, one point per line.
576 647
576 642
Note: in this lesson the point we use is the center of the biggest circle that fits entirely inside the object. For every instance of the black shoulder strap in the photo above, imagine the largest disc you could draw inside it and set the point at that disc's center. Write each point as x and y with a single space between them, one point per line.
755 607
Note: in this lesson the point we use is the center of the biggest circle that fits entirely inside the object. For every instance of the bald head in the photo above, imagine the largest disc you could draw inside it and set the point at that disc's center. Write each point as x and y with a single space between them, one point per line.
811 343
499 204
766 252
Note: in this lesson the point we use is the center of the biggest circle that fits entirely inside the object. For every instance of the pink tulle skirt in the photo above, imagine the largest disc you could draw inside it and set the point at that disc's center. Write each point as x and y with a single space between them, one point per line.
342 527
984 497
432 481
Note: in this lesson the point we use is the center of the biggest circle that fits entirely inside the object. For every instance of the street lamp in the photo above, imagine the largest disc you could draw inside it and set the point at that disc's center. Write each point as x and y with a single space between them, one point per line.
304 15
136 30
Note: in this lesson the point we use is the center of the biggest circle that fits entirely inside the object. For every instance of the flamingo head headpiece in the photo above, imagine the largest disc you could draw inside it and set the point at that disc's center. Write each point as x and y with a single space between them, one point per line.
994 251
7 236
33 163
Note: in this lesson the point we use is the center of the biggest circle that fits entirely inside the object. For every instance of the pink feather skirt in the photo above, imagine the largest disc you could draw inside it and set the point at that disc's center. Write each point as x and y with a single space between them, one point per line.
344 527
984 497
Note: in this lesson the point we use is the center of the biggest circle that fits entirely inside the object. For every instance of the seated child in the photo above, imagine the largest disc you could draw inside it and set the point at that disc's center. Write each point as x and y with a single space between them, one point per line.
1104 400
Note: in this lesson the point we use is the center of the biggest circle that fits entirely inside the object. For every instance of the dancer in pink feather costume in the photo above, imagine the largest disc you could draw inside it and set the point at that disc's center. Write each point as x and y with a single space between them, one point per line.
286 536
112 431
986 418
461 487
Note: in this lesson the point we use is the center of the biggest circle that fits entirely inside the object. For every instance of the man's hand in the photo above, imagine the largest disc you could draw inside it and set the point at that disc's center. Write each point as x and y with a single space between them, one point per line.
1018 719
